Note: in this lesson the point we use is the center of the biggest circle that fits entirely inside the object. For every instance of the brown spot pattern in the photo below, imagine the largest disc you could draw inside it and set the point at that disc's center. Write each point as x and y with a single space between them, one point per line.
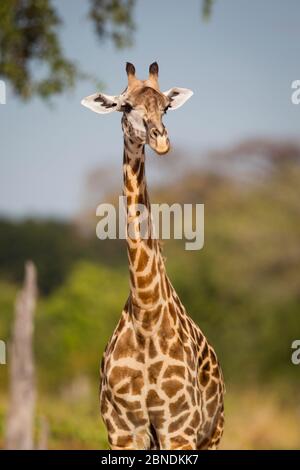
171 387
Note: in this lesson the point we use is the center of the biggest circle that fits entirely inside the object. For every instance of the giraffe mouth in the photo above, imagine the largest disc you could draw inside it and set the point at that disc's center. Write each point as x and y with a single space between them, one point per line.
161 145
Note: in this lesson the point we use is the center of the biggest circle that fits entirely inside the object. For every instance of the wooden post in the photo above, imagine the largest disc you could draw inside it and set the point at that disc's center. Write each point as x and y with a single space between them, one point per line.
20 419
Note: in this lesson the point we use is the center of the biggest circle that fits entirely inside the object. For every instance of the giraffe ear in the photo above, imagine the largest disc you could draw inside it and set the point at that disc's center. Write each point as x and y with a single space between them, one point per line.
101 103
178 96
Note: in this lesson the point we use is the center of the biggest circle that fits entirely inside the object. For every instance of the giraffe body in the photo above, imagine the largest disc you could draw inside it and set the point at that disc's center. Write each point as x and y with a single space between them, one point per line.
161 383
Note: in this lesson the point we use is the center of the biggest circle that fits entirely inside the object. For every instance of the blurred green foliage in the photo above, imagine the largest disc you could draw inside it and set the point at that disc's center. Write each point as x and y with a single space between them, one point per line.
29 35
207 6
54 246
75 323
243 288
28 32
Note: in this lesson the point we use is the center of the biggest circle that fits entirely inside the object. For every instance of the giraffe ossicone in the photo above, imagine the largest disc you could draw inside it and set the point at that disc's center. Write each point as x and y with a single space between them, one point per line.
161 383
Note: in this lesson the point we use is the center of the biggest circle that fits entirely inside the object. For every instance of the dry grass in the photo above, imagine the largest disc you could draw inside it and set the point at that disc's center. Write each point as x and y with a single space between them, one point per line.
261 419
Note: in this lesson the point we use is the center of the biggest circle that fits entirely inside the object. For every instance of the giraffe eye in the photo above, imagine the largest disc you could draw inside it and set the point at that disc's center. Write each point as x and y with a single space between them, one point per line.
166 109
127 108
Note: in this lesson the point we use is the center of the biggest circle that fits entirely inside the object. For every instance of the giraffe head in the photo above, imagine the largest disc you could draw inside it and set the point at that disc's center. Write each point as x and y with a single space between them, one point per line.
143 106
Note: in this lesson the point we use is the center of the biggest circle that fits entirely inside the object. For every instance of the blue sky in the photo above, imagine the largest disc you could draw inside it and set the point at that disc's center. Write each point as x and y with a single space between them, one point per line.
240 66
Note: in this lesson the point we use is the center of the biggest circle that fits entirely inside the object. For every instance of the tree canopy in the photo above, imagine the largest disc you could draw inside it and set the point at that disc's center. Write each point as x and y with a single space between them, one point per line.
29 37
32 60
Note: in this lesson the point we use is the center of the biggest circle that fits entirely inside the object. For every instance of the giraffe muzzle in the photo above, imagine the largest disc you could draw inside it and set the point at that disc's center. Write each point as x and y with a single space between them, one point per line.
159 141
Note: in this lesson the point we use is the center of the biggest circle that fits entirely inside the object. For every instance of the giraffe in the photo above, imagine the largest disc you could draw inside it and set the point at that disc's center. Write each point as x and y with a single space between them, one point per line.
161 383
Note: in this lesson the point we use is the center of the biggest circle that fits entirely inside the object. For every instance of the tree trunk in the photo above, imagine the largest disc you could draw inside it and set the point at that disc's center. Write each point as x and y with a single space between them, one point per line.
20 420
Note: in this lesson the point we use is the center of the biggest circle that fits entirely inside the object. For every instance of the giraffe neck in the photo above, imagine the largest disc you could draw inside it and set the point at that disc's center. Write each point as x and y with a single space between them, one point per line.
146 266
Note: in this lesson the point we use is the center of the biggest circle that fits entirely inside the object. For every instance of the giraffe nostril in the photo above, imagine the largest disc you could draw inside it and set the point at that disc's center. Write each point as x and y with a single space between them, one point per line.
154 132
